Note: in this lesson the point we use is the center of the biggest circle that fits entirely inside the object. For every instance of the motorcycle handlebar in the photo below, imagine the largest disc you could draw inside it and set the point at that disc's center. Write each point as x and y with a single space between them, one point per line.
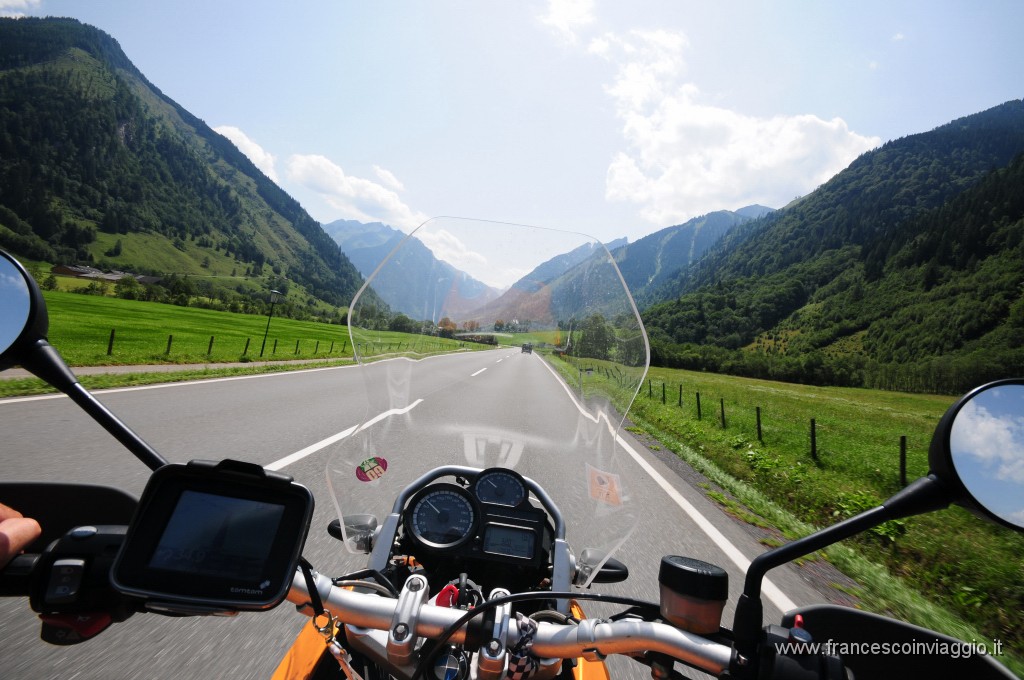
591 637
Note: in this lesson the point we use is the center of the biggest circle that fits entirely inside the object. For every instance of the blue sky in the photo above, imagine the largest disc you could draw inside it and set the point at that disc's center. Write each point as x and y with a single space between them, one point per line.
605 117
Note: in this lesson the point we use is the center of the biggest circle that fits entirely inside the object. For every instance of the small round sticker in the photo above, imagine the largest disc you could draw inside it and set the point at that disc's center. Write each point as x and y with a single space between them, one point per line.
371 469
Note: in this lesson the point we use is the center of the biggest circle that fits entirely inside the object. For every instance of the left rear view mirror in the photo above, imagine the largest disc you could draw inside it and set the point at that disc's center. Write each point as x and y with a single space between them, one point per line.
23 328
22 310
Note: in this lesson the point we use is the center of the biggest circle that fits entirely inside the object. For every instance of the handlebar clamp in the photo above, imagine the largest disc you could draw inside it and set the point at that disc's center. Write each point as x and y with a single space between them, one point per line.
402 634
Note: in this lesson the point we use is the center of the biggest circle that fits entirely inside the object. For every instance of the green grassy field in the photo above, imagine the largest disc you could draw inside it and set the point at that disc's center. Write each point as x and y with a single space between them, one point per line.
556 338
80 327
968 566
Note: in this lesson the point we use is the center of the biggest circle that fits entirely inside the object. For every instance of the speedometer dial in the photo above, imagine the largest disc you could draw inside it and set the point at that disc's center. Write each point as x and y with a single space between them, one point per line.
442 516
500 487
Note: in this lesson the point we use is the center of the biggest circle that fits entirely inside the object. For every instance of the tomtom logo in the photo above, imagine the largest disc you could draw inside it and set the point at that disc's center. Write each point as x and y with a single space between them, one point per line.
249 591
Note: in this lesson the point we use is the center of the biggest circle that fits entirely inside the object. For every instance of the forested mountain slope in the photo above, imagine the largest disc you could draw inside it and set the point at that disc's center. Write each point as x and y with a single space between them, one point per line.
902 271
659 257
98 166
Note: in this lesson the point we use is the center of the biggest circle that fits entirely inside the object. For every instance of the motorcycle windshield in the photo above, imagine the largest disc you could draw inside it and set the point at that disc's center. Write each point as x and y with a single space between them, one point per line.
486 345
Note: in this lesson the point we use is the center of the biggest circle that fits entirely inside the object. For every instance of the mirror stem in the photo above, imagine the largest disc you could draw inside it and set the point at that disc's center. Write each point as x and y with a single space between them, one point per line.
924 495
43 361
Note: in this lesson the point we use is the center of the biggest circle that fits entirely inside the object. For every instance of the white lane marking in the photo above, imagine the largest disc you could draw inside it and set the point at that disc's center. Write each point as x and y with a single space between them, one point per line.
309 450
778 598
774 594
334 438
478 372
207 381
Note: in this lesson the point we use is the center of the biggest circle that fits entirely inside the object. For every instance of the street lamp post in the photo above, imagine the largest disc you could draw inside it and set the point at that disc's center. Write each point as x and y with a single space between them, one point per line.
274 295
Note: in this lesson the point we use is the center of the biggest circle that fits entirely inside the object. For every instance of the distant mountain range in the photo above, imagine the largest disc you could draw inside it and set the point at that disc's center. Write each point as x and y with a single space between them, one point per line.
420 285
644 265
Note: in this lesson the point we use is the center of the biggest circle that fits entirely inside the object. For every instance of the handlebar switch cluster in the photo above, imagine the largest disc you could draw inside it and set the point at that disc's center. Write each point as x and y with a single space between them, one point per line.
73 574
70 585
65 581
790 654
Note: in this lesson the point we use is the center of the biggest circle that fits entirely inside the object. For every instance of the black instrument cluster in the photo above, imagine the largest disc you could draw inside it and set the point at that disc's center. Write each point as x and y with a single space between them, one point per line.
492 519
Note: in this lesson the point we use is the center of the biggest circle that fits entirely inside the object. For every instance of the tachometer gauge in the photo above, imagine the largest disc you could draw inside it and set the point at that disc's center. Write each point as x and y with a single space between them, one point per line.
442 516
500 487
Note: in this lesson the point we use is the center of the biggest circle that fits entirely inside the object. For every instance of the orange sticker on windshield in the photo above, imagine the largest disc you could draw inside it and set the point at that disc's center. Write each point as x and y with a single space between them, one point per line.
371 469
604 486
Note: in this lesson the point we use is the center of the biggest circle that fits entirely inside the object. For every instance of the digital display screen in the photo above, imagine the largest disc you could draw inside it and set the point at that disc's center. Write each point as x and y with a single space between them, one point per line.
510 541
220 536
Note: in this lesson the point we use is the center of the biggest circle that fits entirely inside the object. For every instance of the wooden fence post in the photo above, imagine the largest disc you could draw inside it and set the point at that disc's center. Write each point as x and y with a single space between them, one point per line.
316 348
110 343
903 461
296 346
246 350
662 393
209 350
274 351
698 406
759 438
814 441
722 402
169 339
680 396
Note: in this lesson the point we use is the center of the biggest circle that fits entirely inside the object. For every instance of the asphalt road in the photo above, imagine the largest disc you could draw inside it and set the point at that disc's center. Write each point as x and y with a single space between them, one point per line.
268 418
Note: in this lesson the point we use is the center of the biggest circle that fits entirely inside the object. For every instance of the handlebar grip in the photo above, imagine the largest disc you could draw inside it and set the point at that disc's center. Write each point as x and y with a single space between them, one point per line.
16 577
602 638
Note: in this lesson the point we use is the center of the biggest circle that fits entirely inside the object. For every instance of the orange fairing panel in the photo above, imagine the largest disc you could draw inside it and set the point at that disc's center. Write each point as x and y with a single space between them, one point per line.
586 670
302 656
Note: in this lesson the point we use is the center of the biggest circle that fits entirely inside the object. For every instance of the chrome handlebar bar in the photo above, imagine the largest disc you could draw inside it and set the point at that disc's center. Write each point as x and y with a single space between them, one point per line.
591 638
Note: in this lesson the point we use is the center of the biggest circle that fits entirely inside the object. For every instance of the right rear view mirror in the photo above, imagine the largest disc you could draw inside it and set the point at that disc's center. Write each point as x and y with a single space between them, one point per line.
979 449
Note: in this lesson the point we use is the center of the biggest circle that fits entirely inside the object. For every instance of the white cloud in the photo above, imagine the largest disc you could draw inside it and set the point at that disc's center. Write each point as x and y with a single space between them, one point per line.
353 197
566 17
685 157
17 8
389 180
260 157
448 247
898 37
996 441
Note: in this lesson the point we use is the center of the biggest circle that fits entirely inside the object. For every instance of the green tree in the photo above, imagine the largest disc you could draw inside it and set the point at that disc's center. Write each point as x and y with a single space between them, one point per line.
596 338
402 324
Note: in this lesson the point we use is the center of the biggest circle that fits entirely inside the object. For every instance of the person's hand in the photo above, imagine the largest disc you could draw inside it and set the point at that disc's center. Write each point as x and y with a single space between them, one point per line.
16 532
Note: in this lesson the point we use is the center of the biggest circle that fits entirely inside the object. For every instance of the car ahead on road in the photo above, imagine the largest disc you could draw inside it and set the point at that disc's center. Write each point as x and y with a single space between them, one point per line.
527 348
